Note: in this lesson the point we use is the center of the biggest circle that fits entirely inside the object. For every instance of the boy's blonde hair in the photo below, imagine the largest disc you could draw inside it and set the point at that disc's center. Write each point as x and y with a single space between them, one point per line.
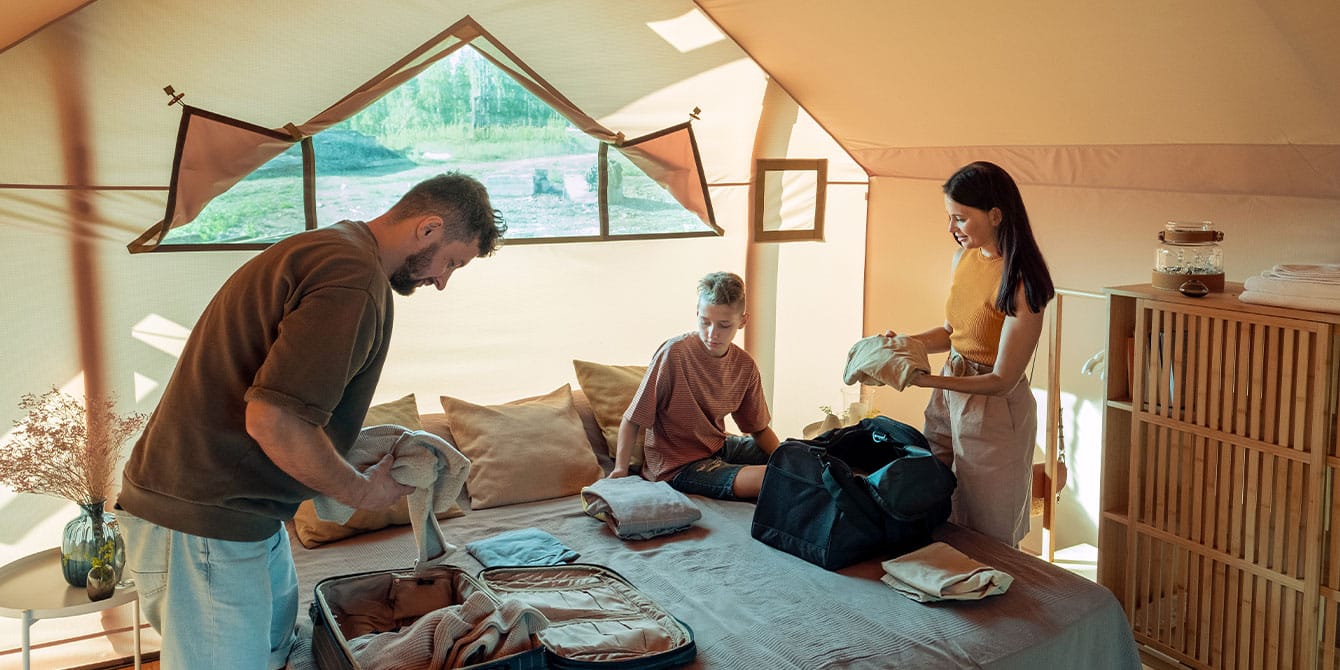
722 288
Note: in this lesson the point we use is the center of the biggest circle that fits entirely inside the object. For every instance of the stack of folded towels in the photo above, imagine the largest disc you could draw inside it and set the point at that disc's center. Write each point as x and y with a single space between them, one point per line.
1314 287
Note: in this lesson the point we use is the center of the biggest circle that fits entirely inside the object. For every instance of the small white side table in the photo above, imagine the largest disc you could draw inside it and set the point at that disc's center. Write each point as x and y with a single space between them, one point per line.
33 588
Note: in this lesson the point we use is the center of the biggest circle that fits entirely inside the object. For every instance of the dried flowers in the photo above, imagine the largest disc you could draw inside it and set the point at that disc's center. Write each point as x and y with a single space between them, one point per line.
64 449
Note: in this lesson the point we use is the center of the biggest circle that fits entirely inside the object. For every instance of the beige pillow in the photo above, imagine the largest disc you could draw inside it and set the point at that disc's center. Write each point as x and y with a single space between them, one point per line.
522 451
610 390
402 412
313 531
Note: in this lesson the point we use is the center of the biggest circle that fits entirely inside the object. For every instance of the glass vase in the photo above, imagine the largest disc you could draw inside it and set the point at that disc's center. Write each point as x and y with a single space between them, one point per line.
91 538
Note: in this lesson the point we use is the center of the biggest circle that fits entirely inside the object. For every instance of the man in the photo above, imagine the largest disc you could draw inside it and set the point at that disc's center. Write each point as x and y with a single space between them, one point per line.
269 394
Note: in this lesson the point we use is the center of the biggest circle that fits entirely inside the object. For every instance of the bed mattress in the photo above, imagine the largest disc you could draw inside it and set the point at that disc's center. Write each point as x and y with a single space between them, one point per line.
751 606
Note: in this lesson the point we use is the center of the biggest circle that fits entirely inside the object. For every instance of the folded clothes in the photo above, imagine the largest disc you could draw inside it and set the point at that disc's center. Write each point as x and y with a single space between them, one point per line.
636 509
878 360
938 571
524 546
1327 273
435 469
1295 301
1301 288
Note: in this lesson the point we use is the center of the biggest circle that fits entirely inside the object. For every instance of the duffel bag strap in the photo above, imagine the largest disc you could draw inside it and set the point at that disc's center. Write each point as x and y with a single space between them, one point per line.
852 499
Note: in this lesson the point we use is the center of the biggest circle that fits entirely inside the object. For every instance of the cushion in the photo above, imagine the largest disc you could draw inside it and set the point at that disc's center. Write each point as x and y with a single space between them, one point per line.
521 451
610 390
437 424
313 531
402 412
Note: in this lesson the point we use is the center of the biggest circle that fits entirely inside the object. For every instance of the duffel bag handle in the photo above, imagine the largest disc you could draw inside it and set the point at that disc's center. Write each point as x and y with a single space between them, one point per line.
852 499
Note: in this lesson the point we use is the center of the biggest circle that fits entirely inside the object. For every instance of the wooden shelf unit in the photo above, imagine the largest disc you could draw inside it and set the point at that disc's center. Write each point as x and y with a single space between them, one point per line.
1219 463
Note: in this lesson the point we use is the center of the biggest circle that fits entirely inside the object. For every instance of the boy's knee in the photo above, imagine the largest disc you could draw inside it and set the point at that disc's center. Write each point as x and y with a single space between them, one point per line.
749 481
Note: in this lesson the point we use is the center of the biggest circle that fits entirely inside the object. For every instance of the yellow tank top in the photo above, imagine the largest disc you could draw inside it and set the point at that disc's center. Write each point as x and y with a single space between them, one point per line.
971 308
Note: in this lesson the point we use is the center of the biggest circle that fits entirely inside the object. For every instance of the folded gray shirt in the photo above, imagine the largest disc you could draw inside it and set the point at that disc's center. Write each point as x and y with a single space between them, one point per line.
636 509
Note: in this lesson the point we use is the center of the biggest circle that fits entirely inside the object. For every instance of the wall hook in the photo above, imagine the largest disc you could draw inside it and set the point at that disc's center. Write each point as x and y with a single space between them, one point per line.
174 97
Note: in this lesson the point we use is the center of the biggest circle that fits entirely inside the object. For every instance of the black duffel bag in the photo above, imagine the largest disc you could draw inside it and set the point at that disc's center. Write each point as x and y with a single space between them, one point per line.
866 490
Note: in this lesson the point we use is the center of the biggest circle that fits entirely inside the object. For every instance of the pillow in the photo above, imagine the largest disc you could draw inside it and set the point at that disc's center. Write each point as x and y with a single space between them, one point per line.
313 531
437 425
402 412
522 451
610 389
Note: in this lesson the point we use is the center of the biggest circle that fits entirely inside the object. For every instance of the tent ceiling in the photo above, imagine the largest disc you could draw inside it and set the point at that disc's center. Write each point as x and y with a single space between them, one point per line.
1243 95
25 17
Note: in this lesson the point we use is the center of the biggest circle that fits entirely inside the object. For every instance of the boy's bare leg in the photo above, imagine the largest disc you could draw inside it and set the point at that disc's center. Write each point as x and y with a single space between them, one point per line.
749 481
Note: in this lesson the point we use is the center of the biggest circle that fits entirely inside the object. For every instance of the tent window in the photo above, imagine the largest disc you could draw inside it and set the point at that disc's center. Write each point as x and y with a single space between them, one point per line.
263 208
464 111
788 199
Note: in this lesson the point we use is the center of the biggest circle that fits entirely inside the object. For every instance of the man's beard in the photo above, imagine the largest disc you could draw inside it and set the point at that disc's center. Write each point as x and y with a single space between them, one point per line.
403 280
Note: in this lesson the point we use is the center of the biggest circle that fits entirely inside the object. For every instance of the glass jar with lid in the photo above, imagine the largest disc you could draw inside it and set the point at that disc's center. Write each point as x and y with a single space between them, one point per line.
1189 257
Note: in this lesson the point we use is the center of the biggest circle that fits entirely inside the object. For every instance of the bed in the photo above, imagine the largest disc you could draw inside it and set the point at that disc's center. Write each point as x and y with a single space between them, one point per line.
753 607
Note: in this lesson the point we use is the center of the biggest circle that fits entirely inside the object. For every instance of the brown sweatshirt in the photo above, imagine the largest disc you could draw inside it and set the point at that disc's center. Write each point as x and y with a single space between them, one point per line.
304 325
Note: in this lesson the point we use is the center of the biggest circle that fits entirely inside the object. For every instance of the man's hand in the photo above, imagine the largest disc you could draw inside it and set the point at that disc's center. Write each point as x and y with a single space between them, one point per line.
380 489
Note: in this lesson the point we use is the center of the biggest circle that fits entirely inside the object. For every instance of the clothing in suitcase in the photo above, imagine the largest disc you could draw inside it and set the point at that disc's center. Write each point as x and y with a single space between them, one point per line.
596 619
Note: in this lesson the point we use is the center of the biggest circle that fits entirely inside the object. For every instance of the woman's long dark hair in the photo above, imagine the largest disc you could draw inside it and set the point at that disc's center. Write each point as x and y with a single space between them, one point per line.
982 185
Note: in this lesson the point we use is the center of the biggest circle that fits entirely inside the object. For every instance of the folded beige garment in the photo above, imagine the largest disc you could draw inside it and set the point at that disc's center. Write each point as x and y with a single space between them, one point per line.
878 360
938 571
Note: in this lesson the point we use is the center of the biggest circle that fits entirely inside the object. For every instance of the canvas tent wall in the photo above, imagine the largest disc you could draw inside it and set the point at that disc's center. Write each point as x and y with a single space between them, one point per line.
86 155
1114 118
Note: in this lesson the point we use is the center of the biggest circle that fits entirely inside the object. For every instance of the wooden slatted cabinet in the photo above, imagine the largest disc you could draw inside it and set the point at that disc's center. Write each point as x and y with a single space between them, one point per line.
1219 462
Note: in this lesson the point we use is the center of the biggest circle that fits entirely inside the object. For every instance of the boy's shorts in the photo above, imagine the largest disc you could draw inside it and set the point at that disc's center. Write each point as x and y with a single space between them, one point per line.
714 476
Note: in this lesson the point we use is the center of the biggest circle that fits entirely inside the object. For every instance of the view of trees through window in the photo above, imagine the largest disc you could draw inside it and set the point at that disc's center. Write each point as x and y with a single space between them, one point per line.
463 114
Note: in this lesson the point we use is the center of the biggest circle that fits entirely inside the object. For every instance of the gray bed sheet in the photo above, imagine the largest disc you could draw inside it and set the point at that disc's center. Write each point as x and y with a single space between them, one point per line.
753 607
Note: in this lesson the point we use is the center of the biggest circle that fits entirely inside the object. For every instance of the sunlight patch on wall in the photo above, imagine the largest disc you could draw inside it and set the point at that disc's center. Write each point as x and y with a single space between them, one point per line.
162 334
1088 428
144 386
75 386
688 32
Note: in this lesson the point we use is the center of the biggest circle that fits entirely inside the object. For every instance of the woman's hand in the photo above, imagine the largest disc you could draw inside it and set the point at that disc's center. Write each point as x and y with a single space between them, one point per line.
890 333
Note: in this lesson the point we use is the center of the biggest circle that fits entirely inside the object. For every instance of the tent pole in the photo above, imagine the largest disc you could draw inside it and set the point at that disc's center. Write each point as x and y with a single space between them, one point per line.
67 64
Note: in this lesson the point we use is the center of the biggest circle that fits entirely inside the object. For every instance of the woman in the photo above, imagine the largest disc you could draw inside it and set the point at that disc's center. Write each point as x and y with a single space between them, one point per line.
982 419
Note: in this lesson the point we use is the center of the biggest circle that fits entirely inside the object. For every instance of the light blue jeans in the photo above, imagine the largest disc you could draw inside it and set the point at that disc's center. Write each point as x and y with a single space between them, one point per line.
218 605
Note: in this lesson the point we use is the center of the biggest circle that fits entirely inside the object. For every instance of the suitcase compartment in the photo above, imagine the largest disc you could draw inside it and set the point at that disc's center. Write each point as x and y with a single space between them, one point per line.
348 606
596 618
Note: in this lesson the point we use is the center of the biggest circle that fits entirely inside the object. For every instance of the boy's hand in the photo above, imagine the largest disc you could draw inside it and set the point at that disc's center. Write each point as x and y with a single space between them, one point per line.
617 473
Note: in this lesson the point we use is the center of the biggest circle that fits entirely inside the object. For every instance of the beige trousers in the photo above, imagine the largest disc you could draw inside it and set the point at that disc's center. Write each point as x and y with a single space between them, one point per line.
988 441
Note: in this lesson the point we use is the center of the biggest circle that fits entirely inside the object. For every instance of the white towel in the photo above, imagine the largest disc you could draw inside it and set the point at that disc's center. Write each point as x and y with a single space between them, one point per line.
430 464
1293 301
636 509
1325 273
879 360
1293 287
938 571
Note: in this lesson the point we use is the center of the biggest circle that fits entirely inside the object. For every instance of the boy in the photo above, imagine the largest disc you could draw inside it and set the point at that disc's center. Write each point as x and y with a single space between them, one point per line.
692 383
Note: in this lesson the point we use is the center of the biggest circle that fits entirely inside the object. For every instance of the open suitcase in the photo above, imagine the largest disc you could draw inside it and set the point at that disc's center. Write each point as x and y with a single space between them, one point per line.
596 618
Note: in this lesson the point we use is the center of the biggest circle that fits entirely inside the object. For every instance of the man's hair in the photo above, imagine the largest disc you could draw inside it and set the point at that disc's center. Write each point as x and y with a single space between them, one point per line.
722 288
463 204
